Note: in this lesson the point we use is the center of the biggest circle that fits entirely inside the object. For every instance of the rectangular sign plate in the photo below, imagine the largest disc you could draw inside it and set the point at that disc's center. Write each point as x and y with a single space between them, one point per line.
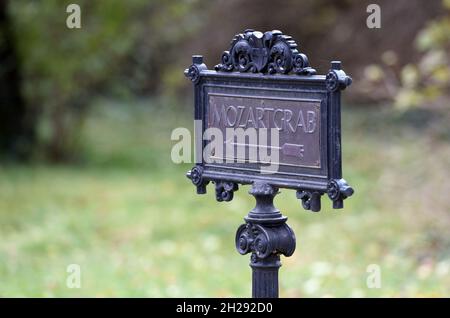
297 121
298 108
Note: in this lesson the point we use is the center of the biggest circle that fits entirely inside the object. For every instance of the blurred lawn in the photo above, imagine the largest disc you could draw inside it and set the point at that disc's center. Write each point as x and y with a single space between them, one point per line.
133 222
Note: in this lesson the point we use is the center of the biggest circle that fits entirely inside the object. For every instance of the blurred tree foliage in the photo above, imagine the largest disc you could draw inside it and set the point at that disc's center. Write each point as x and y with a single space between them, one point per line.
119 48
424 81
49 73
428 81
16 133
61 67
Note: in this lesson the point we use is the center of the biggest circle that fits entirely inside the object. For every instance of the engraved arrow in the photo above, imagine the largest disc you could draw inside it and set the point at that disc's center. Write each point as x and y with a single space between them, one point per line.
295 150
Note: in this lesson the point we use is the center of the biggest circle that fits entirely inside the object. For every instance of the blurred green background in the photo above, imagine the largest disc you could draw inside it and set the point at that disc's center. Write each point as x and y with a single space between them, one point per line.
86 176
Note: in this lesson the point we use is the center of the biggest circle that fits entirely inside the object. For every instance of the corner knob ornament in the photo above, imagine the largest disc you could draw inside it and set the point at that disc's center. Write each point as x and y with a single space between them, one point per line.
193 71
196 176
336 78
310 200
338 190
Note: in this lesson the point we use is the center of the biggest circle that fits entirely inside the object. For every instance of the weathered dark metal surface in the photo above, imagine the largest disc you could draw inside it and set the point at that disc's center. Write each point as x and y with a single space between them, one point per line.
297 120
252 88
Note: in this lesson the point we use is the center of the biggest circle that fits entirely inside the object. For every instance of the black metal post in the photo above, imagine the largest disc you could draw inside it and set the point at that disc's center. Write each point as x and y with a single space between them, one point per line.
266 235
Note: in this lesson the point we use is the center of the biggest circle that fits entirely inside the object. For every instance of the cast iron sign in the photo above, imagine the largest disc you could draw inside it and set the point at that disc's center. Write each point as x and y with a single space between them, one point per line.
289 118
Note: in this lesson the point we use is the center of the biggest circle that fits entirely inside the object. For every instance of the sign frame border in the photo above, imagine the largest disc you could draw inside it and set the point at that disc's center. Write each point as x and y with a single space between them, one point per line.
262 76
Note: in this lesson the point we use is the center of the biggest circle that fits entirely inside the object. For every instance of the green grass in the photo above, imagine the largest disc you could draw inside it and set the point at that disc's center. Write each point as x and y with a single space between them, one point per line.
132 221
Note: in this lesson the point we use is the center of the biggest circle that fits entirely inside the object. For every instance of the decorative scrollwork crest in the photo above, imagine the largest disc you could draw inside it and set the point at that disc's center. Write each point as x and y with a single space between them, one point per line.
270 52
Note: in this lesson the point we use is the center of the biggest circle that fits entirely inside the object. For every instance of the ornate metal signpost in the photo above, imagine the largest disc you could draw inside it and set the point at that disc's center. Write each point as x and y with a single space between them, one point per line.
264 83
